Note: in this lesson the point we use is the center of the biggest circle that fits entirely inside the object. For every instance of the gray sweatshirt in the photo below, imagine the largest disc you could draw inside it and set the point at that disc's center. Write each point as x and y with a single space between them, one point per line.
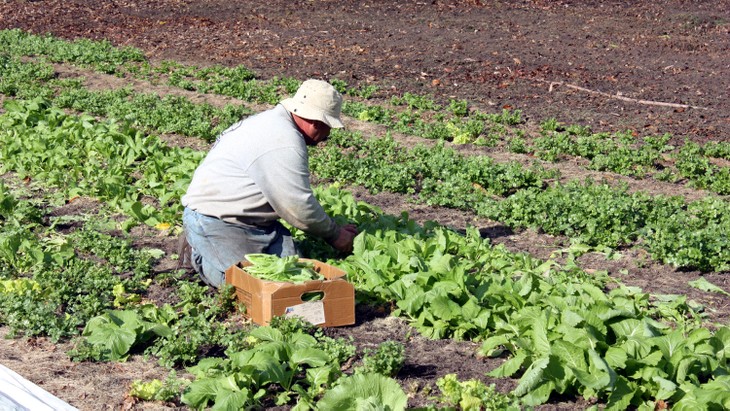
258 172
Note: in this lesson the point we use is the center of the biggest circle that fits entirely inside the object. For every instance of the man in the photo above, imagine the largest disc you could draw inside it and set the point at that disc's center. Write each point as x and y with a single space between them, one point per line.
257 173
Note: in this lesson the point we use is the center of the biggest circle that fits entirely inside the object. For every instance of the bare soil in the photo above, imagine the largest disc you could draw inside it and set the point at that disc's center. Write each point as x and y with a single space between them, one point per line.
653 67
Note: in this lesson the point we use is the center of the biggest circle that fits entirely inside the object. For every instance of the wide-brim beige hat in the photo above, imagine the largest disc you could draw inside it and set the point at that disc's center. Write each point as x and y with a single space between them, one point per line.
316 100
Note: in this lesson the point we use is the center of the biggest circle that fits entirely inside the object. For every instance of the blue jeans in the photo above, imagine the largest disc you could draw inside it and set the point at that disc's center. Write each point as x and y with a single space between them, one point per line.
217 245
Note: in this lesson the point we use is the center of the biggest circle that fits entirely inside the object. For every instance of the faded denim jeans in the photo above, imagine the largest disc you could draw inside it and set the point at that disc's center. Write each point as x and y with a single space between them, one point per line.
217 245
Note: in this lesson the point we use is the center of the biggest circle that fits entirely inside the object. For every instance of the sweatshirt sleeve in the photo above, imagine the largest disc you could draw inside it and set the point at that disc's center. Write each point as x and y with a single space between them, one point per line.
283 177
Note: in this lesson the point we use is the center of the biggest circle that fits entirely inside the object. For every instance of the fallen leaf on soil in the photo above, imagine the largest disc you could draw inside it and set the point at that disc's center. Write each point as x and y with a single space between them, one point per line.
128 403
163 226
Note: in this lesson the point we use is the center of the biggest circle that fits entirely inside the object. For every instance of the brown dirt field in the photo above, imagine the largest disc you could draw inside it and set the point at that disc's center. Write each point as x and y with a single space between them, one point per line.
654 67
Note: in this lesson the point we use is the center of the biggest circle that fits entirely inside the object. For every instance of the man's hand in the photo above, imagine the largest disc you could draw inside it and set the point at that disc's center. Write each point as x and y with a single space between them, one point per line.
345 238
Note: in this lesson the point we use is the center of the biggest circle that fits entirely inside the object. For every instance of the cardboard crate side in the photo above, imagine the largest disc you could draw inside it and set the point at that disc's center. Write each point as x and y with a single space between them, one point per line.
338 301
248 292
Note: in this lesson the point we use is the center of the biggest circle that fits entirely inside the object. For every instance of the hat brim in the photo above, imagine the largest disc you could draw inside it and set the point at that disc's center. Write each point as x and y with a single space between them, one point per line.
304 111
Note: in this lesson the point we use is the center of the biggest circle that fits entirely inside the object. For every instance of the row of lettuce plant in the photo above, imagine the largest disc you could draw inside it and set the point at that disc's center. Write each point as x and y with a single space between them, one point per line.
625 153
564 334
150 112
694 162
164 114
684 234
59 273
109 160
49 145
64 291
622 153
437 174
446 284
445 307
102 57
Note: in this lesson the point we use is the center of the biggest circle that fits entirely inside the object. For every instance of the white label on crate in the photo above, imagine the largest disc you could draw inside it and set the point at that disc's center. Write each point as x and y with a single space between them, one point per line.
312 311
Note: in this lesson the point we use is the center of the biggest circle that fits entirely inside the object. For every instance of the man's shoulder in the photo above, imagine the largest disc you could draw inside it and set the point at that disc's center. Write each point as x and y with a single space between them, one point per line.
276 113
267 119
264 131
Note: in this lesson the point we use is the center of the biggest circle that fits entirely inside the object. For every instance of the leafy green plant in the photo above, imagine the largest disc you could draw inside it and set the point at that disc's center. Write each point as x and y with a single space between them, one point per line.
288 365
691 235
473 395
111 336
717 149
341 349
364 91
459 107
22 79
517 145
174 334
704 285
508 117
364 391
415 101
551 124
67 288
694 164
168 389
619 152
100 55
198 324
386 360
168 114
381 164
667 175
287 269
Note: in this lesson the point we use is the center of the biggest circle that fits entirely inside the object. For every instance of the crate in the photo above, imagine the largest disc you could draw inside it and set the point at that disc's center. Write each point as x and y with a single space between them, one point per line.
266 299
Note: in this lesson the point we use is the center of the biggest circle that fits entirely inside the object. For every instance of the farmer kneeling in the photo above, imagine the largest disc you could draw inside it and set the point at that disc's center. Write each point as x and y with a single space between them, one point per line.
256 173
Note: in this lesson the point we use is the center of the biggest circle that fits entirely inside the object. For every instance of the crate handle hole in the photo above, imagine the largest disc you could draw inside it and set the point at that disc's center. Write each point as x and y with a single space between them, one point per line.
313 296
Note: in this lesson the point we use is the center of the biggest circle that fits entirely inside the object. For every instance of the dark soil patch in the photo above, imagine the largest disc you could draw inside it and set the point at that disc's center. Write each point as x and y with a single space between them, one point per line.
519 54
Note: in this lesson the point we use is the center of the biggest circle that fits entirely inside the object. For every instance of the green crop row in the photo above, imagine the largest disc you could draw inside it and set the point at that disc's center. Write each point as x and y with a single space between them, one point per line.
59 151
626 154
103 159
51 284
99 55
622 152
436 180
151 112
435 173
563 334
690 235
458 278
